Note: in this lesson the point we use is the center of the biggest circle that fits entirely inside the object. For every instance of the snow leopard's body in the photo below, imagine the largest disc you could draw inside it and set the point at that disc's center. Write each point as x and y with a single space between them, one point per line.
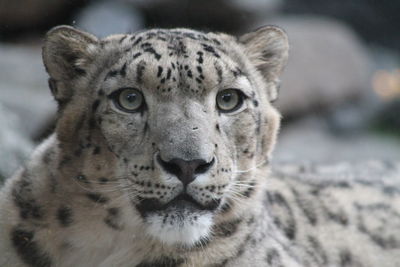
181 179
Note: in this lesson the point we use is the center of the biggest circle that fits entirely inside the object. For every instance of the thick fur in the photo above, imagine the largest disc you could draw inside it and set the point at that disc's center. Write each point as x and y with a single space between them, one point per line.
79 200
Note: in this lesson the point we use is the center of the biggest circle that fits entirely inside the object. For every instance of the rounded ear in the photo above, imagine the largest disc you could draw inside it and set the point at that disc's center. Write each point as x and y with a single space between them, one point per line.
268 49
67 52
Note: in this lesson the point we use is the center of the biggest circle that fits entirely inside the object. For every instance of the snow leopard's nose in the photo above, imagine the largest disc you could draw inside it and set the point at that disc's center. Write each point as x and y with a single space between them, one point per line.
185 170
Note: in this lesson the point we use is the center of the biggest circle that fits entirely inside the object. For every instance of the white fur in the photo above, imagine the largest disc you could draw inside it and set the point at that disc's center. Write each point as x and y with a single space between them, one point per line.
184 232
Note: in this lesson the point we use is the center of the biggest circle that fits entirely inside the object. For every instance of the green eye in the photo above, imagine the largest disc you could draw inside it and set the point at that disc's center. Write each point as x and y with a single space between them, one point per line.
229 100
128 99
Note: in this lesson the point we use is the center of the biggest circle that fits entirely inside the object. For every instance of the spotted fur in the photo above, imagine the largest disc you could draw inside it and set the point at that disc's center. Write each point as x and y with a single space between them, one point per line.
102 191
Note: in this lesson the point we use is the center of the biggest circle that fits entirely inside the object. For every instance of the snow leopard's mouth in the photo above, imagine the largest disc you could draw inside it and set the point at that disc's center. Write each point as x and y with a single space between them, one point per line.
182 202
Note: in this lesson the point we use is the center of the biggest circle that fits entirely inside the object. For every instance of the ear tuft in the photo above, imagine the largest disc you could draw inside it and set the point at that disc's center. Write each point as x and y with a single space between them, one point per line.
67 52
268 49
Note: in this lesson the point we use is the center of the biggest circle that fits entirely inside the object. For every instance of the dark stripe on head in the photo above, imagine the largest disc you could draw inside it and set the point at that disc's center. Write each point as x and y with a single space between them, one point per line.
139 71
111 74
136 55
153 52
138 40
122 39
218 69
122 71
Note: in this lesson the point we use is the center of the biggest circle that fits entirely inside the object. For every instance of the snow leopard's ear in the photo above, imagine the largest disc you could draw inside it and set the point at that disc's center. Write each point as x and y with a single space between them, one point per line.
67 52
268 49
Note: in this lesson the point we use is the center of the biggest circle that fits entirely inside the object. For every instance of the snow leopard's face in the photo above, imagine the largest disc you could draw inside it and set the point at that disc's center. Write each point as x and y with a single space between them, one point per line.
181 118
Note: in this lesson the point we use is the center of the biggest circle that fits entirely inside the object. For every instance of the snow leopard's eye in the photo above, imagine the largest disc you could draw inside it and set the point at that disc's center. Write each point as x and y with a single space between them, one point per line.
128 99
229 100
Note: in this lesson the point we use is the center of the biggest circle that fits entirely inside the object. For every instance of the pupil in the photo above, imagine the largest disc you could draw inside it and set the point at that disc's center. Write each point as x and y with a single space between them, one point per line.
227 97
131 97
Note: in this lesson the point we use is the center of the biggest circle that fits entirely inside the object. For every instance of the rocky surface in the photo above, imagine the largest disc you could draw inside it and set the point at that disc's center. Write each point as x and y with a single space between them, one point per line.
15 145
23 87
379 172
327 66
313 139
96 18
21 18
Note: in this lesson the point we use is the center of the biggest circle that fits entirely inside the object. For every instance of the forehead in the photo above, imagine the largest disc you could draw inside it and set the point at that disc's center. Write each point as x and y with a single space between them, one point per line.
172 60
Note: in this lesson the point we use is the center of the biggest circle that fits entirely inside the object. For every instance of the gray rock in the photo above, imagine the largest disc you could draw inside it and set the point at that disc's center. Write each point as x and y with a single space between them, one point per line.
31 15
311 140
15 145
23 87
327 65
104 18
384 174
258 7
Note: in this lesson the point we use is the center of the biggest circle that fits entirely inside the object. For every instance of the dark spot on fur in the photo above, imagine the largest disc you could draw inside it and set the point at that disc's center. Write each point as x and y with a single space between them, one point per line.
64 216
169 74
249 191
136 55
23 199
122 39
28 249
227 229
113 218
210 49
226 207
318 251
306 206
122 72
137 41
159 72
95 197
346 259
273 257
111 74
139 71
219 72
282 213
96 150
152 51
95 105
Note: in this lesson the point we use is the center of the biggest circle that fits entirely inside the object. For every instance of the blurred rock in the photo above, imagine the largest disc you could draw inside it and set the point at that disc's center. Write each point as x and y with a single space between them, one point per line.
387 120
327 65
15 145
216 15
384 174
258 7
23 87
312 140
376 21
104 18
21 17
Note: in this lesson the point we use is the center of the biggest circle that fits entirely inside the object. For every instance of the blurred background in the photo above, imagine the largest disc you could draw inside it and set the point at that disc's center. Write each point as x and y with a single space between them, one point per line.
340 95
